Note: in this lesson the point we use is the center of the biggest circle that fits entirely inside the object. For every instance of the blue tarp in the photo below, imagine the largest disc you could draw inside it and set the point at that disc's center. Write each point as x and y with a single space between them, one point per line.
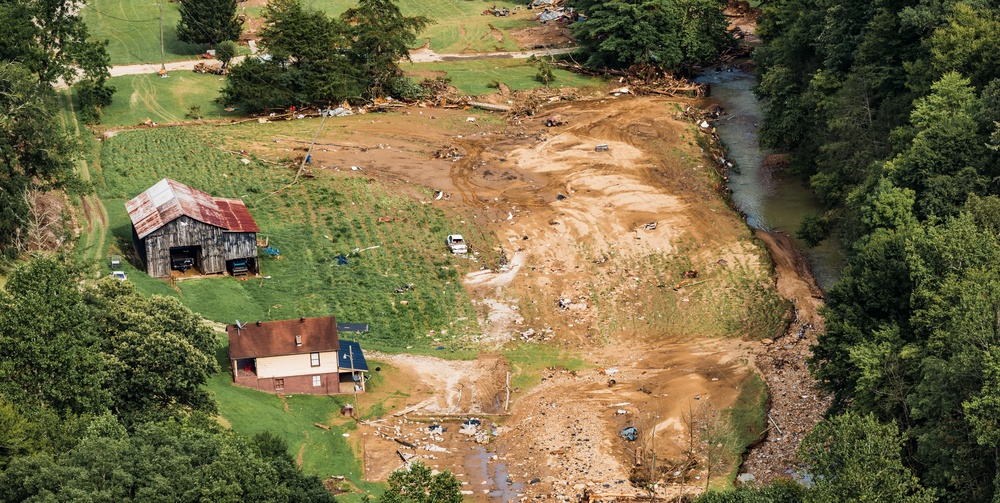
630 433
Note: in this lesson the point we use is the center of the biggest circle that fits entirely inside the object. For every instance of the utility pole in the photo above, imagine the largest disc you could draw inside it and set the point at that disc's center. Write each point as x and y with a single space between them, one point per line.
350 350
163 57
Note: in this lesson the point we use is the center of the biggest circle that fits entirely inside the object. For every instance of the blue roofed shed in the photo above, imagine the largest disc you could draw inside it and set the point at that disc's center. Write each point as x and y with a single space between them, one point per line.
352 364
349 350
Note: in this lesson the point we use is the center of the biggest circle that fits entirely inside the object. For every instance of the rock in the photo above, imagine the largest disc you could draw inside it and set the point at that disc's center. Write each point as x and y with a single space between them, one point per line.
767 342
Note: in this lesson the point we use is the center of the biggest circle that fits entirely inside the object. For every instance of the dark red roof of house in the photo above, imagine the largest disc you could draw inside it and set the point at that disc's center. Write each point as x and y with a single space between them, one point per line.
277 338
169 199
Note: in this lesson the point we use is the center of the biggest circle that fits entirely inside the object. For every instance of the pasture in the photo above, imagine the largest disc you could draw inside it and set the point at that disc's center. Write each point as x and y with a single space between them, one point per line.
133 31
456 26
310 223
141 97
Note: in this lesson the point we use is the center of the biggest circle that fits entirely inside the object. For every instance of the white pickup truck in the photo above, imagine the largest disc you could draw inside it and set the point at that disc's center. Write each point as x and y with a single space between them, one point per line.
456 243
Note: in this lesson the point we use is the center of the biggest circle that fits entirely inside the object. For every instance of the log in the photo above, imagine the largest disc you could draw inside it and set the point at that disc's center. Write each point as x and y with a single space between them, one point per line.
325 427
490 106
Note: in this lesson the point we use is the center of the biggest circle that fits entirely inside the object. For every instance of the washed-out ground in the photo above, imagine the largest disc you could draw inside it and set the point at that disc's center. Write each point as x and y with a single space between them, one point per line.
587 275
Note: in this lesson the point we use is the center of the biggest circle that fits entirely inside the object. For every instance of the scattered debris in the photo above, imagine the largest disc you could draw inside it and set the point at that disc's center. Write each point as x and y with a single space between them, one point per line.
554 121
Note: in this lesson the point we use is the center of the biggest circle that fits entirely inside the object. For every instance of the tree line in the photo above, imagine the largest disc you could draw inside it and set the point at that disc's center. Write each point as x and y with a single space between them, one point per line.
102 398
890 108
313 59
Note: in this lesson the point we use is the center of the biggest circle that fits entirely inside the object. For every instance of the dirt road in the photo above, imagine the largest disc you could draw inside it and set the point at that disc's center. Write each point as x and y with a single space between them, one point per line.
422 55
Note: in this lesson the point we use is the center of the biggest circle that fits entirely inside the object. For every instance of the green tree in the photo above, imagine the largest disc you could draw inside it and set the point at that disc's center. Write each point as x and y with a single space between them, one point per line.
380 37
418 485
308 62
544 74
667 33
855 458
51 41
173 461
35 152
48 348
225 52
209 22
13 432
158 354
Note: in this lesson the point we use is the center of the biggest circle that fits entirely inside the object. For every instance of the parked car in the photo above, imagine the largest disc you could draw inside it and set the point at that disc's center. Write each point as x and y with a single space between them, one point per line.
456 243
120 275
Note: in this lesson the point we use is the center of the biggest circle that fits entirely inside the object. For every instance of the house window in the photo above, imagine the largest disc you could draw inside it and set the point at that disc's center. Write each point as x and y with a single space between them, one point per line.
314 359
317 381
279 384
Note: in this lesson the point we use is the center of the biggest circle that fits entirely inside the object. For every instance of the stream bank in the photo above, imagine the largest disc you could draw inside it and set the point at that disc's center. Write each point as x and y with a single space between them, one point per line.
773 203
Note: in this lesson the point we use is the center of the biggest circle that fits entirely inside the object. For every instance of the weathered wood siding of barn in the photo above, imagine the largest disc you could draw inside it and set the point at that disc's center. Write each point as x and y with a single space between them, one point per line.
140 248
240 245
185 231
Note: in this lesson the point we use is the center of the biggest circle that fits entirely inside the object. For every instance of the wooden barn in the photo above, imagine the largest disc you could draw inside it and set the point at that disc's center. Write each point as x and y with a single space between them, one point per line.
178 228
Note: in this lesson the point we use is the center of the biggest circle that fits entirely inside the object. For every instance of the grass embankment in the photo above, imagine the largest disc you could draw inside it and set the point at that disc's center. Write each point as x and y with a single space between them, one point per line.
474 76
141 97
738 427
528 360
722 302
311 223
320 452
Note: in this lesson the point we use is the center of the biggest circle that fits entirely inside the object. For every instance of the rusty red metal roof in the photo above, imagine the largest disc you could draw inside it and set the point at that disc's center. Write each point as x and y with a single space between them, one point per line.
169 199
277 338
236 215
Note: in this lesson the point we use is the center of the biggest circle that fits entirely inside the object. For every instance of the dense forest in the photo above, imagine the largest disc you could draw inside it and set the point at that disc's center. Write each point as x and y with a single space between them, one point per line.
890 109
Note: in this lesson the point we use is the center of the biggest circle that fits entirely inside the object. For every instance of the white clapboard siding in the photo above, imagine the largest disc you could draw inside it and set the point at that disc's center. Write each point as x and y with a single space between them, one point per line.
295 365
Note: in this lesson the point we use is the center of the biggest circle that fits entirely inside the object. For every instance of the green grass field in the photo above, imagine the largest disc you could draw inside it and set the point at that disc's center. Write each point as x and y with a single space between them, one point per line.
323 453
455 25
473 76
141 97
133 30
310 223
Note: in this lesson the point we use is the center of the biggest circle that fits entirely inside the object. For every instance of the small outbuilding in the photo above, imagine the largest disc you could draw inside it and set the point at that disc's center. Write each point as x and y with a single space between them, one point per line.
177 228
295 356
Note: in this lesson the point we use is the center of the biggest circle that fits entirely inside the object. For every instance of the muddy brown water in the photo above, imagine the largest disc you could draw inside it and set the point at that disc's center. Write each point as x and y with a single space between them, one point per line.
771 199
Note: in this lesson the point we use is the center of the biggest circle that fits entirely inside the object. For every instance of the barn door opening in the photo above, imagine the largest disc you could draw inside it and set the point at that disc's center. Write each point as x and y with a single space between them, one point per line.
185 260
242 267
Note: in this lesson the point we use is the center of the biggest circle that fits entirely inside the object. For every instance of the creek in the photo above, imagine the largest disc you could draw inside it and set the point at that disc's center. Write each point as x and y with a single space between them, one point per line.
771 199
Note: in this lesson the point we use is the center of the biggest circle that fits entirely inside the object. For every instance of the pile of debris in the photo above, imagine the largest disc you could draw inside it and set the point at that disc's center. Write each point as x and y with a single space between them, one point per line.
448 152
651 79
643 79
215 69
532 335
